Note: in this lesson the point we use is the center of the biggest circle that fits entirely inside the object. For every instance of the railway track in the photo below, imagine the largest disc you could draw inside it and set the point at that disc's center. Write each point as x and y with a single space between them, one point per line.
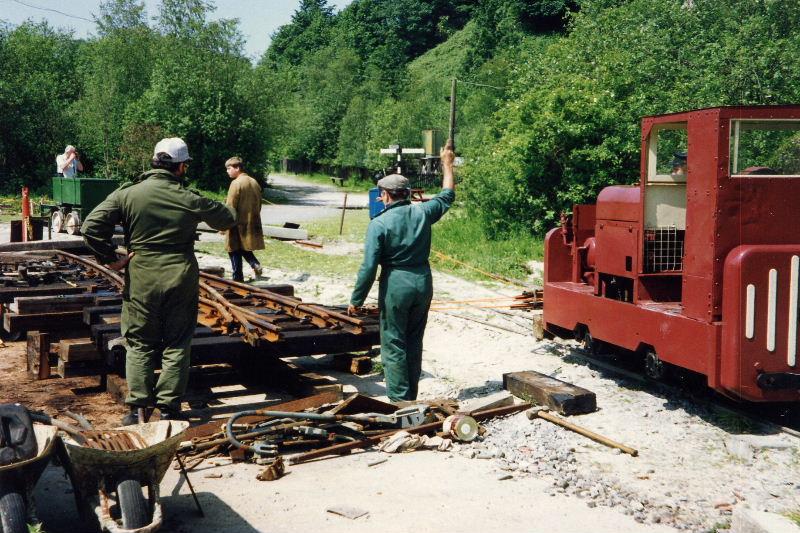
69 306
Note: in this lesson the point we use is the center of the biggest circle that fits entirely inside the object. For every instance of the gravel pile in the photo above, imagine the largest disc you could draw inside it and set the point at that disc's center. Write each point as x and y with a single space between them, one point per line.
521 447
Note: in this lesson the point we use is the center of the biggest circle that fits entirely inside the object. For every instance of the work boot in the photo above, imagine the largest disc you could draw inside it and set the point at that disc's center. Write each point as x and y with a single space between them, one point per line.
132 418
258 269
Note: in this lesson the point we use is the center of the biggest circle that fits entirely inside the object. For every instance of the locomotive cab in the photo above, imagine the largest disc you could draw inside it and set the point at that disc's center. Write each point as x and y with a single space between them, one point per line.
697 265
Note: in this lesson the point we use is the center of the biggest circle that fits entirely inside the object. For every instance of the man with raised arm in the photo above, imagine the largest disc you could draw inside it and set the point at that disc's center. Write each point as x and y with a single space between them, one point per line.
399 240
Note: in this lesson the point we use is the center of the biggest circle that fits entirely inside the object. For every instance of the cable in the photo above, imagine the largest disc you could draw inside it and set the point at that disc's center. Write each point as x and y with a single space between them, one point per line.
53 10
496 277
481 85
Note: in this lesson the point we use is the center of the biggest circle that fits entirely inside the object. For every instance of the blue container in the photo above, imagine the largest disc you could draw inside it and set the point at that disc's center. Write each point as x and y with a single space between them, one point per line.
375 204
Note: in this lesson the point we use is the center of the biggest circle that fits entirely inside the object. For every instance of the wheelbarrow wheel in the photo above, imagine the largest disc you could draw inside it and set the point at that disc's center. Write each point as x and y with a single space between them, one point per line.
13 515
132 505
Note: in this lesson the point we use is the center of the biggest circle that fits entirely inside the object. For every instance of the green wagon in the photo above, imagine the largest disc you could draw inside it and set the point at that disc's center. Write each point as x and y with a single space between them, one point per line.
73 199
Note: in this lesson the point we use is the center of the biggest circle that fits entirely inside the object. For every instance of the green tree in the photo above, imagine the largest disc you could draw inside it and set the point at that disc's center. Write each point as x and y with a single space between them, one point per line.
115 72
38 80
198 91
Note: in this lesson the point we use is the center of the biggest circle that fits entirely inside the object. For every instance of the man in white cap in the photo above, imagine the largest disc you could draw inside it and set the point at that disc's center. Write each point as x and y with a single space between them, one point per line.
159 308
399 240
69 163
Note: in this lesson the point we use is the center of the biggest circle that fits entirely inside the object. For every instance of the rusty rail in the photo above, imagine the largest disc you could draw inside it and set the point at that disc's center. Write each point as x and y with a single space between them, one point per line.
319 316
105 272
218 313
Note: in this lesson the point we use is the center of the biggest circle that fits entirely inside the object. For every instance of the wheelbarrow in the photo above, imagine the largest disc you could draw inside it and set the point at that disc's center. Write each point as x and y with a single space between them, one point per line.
18 479
110 469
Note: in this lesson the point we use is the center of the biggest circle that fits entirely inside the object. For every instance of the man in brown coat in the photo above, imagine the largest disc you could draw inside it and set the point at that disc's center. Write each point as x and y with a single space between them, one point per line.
244 196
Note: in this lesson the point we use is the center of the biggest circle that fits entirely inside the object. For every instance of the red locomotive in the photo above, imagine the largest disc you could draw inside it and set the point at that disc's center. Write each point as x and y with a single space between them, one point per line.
698 265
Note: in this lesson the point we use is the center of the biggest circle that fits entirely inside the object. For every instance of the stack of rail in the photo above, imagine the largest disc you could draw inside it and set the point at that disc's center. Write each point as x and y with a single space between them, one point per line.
70 307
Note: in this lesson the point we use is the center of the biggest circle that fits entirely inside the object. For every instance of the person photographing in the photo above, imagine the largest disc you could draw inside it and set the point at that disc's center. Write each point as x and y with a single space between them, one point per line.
69 163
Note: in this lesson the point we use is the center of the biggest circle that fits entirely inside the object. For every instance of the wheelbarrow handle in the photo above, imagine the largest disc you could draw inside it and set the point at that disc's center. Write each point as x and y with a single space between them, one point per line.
74 431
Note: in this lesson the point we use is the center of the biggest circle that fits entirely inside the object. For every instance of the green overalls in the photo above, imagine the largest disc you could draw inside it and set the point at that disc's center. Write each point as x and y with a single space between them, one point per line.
399 240
159 307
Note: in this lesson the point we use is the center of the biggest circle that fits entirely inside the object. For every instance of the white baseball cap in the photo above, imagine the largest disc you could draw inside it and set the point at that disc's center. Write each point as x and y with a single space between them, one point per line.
173 148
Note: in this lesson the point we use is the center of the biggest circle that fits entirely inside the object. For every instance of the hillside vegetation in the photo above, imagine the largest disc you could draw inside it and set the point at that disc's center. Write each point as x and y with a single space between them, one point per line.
551 92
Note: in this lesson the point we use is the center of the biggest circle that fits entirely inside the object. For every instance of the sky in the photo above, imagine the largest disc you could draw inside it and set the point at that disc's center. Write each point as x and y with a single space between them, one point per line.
258 19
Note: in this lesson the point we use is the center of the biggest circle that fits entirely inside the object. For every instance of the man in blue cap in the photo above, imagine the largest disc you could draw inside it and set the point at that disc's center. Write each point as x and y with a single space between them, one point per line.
399 240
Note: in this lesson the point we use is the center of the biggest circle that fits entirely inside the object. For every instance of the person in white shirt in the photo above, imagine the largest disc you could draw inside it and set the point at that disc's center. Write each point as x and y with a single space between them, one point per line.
69 163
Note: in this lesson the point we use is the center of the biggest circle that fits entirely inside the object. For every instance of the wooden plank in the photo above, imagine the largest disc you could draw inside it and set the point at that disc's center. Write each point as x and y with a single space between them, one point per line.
61 302
98 330
563 397
289 234
283 289
13 322
352 363
74 246
8 294
492 401
93 314
74 350
38 355
67 369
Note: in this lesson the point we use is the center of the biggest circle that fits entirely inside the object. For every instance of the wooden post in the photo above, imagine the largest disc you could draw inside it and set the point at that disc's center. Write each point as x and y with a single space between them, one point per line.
452 138
38 355
344 208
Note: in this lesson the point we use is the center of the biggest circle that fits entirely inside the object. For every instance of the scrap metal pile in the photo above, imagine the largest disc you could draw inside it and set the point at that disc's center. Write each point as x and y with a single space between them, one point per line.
319 426
70 307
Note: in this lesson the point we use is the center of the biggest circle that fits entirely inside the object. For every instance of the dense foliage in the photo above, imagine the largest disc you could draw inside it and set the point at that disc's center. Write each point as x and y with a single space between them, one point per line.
551 92
115 95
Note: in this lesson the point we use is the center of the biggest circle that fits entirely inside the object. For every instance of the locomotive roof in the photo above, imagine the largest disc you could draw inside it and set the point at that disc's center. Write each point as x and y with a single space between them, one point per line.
731 110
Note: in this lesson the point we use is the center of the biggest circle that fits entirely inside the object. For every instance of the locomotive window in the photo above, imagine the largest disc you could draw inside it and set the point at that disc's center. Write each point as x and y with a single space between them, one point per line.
765 148
668 154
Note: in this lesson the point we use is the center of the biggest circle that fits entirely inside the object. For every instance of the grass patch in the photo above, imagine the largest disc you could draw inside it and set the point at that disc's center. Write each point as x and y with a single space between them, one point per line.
461 237
794 516
350 185
327 229
218 196
456 235
291 257
10 208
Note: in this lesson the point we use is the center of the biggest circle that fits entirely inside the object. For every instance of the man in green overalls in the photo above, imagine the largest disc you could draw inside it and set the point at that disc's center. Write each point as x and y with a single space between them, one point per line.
159 308
399 240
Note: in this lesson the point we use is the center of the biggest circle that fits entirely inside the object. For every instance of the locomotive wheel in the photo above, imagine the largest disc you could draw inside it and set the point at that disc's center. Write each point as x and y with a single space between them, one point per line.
132 505
653 366
57 221
589 343
73 223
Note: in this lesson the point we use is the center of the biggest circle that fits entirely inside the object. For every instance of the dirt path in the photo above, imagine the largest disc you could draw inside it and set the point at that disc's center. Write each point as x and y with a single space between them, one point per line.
300 201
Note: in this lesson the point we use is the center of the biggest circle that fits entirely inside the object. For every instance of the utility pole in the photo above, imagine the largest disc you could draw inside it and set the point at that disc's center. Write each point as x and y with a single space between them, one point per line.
451 140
